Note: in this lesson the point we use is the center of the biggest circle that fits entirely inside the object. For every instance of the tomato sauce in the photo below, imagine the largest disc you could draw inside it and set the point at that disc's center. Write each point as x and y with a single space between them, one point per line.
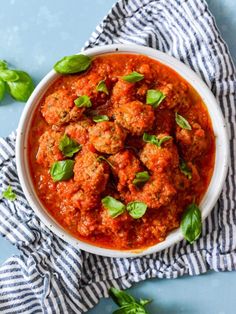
76 203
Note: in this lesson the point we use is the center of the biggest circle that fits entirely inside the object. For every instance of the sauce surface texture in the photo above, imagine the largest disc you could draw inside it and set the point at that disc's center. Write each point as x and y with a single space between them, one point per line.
177 172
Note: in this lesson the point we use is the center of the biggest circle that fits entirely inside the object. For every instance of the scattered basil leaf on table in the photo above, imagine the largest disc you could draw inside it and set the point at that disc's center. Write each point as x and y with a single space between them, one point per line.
68 146
22 88
133 77
73 64
115 208
102 158
100 118
136 209
62 170
154 97
182 122
83 101
3 65
128 304
191 223
102 87
2 89
9 194
9 75
153 139
185 169
141 178
120 297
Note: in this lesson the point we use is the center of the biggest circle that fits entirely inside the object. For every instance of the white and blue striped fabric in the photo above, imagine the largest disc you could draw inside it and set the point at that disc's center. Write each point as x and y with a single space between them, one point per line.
51 276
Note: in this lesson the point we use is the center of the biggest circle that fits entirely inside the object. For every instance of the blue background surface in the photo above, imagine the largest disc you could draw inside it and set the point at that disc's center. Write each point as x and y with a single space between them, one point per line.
36 33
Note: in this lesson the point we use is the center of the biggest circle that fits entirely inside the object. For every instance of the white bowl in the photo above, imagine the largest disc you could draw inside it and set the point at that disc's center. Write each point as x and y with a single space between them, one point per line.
221 156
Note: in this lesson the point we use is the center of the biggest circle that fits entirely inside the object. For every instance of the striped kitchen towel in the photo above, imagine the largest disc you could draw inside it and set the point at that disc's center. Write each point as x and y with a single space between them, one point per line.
51 276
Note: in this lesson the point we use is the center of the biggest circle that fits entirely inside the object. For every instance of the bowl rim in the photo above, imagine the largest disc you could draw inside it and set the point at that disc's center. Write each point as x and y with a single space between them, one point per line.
221 153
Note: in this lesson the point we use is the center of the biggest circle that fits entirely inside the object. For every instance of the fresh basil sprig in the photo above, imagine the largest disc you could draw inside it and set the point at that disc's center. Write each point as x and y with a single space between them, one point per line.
185 169
100 118
9 75
127 303
68 146
83 101
115 208
191 223
9 194
141 178
18 83
136 209
73 64
153 139
154 97
2 89
133 77
22 88
102 87
3 65
182 122
62 170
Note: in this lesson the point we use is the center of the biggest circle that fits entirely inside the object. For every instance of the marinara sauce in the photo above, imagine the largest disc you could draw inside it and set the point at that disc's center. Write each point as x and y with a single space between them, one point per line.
112 151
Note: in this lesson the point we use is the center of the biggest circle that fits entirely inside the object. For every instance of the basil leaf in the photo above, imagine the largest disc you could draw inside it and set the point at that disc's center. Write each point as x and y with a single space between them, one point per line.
115 208
154 97
145 301
154 140
101 87
148 138
9 75
22 88
120 297
182 122
83 101
3 65
133 77
163 140
73 64
136 209
62 170
102 158
140 178
185 169
9 194
132 308
68 146
2 89
191 223
100 118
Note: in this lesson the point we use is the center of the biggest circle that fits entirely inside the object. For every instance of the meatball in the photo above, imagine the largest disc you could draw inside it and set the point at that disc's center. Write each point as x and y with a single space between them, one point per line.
176 95
89 173
59 108
48 151
116 228
107 137
147 71
157 192
122 92
78 131
88 223
160 159
125 166
84 201
193 143
135 116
